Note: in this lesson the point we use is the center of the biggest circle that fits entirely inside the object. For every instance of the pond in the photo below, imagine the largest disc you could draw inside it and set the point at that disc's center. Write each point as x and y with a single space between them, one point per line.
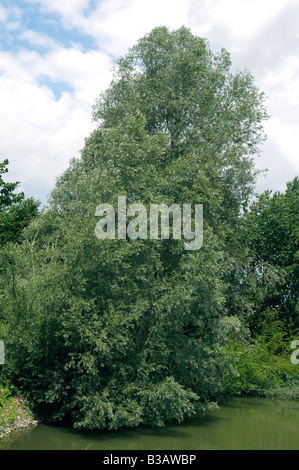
242 424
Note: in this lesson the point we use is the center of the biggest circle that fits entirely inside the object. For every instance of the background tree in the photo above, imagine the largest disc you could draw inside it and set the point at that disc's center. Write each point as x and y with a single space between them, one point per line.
272 238
16 212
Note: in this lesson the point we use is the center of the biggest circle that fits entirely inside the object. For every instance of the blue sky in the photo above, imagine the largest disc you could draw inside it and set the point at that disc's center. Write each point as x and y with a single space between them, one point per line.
56 57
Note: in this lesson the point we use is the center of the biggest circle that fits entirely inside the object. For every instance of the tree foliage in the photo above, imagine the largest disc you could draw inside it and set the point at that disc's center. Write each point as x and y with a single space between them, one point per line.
16 212
113 333
271 232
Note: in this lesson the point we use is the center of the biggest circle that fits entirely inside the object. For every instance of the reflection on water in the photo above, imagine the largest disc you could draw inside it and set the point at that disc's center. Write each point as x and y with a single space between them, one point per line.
245 423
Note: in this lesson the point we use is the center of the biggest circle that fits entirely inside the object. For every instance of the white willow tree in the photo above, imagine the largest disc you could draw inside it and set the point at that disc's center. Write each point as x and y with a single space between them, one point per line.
113 333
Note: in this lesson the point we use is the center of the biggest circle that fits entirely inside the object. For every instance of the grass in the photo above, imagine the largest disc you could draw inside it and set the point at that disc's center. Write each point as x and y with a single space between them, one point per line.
14 411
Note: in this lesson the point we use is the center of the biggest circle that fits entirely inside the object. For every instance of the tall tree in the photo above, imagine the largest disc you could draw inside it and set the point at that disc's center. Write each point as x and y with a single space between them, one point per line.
124 332
212 119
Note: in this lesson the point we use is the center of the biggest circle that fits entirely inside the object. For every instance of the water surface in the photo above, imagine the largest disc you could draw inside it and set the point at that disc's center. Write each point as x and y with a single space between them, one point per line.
243 424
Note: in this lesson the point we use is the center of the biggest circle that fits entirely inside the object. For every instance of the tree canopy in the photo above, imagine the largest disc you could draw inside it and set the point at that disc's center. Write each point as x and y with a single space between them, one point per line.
272 238
112 333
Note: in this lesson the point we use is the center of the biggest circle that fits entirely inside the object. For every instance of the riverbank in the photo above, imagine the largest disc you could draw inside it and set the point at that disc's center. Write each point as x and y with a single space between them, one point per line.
14 414
249 423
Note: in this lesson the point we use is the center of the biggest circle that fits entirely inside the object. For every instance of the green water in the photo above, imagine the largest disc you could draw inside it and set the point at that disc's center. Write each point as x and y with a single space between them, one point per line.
245 423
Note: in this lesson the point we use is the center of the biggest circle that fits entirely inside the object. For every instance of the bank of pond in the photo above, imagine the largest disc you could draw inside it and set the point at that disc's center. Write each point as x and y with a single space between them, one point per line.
241 424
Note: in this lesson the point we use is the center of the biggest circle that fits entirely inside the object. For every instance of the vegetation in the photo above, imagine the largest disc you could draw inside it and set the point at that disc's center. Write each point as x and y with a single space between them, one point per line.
15 413
16 211
8 408
114 333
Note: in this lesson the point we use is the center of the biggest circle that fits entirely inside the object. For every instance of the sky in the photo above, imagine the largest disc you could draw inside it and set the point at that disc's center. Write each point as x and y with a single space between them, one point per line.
56 57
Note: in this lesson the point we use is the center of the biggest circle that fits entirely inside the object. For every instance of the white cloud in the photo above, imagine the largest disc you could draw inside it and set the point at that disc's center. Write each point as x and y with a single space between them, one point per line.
13 25
285 137
3 14
87 72
118 24
39 133
282 83
11 17
68 9
240 21
37 39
